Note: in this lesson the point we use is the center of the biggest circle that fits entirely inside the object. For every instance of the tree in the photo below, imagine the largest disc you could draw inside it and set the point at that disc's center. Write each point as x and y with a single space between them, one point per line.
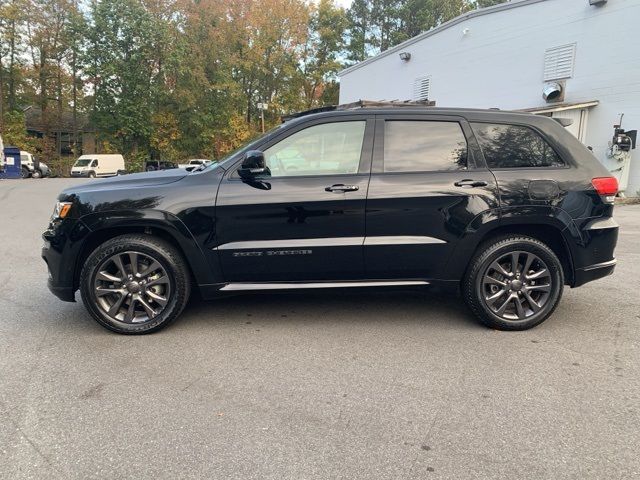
320 54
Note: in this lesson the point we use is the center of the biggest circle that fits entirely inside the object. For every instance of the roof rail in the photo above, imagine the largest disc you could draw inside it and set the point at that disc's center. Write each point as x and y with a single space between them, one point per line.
362 104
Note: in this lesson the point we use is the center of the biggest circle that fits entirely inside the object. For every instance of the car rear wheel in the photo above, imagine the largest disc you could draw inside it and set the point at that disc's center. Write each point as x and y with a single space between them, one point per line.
25 173
513 283
36 174
92 174
135 284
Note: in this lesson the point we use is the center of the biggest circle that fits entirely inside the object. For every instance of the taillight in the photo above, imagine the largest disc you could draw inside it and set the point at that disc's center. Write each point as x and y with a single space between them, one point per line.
606 186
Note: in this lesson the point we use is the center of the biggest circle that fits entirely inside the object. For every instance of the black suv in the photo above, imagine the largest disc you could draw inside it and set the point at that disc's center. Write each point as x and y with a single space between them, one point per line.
507 207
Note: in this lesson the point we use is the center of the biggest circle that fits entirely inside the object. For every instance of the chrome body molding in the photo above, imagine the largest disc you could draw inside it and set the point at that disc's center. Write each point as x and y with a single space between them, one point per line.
332 242
305 285
610 263
601 224
402 240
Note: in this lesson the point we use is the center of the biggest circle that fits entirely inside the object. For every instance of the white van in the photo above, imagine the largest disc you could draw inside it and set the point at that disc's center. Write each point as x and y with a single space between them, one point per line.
96 165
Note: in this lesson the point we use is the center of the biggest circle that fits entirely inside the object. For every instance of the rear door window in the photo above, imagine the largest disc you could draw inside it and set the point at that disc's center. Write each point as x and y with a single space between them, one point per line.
514 146
423 146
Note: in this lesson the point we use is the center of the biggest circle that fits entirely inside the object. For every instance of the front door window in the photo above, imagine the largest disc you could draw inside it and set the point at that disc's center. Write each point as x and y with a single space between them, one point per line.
327 149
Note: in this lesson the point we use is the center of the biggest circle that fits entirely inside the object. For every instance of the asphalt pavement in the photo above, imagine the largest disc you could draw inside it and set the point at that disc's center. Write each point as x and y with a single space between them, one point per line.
325 385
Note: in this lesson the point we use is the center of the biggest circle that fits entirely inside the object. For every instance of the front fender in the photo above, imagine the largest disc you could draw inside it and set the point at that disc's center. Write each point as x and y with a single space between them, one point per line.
110 222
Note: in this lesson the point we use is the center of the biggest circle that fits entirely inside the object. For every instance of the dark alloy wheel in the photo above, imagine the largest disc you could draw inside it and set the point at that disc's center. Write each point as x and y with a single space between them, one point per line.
514 283
135 284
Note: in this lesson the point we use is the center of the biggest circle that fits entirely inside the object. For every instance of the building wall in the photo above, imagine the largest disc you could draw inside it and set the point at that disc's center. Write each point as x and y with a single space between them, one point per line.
499 63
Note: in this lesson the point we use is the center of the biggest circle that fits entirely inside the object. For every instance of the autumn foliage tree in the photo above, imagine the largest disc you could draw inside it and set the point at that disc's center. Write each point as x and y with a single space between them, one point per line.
172 79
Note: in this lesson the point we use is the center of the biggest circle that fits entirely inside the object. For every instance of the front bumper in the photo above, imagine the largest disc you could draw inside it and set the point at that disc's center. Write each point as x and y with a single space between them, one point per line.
61 250
80 174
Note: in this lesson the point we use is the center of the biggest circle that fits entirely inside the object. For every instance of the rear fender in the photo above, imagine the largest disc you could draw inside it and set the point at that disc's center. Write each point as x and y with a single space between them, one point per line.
500 221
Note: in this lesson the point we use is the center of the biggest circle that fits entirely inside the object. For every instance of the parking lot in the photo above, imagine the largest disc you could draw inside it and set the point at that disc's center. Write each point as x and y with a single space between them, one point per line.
314 386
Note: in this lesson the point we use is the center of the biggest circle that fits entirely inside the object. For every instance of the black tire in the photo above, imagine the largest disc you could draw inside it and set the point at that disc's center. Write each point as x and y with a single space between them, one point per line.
523 299
92 174
25 173
171 267
36 174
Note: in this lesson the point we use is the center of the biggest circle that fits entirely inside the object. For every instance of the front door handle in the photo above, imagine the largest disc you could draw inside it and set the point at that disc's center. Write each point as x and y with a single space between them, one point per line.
470 183
339 188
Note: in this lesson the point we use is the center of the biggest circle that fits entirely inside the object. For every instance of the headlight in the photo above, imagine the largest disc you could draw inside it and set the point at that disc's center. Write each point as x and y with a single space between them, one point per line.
61 210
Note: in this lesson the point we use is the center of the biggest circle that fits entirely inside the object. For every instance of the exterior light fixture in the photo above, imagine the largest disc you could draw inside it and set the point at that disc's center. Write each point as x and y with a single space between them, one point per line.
405 56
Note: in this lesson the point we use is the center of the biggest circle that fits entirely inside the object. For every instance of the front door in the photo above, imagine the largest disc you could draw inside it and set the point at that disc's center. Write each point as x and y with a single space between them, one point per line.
305 220
426 189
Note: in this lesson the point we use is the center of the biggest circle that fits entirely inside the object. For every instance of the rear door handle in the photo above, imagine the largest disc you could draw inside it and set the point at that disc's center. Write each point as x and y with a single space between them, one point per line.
470 183
339 187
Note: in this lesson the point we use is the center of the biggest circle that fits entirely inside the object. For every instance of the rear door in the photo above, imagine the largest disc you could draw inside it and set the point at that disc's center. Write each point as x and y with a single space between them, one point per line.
305 221
427 187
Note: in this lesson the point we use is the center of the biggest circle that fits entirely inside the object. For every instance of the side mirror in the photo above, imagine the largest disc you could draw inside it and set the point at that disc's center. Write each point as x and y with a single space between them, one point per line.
253 165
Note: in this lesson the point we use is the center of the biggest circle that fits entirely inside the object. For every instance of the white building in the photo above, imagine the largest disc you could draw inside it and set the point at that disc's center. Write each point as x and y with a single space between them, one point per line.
503 56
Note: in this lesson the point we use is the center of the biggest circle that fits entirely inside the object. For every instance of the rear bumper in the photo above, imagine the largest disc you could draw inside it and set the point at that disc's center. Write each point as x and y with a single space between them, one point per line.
593 272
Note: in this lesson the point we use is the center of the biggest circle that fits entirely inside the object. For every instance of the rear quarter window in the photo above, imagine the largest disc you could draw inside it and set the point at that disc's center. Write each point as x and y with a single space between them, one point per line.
423 145
514 146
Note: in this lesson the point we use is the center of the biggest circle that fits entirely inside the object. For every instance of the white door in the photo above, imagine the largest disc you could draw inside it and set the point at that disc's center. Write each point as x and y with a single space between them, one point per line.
579 125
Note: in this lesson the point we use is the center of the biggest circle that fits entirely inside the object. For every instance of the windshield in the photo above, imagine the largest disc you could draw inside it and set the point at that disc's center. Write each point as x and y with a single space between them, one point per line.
247 146
82 162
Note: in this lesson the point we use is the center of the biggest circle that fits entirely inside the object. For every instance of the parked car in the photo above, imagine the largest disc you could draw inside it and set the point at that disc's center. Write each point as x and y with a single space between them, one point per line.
98 165
31 167
195 163
153 165
507 208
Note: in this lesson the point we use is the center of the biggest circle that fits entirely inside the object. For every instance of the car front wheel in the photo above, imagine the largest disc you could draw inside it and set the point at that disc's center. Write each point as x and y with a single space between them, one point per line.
513 283
135 284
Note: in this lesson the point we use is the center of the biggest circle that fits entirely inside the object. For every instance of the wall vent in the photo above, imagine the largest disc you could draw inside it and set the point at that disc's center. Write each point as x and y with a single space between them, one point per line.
421 88
559 61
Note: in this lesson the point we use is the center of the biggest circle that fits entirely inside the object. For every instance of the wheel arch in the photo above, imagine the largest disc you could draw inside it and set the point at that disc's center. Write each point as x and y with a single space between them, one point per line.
558 232
159 224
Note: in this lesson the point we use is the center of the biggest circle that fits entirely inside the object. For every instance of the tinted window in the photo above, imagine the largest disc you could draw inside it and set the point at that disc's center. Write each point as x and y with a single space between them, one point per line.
509 146
326 149
418 146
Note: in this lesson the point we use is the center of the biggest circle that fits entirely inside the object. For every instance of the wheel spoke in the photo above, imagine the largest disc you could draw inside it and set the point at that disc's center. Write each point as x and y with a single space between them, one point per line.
117 260
150 269
500 269
115 308
162 301
147 308
532 303
133 258
542 273
504 306
519 309
158 281
492 298
101 291
107 277
514 262
494 281
527 263
540 288
130 311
